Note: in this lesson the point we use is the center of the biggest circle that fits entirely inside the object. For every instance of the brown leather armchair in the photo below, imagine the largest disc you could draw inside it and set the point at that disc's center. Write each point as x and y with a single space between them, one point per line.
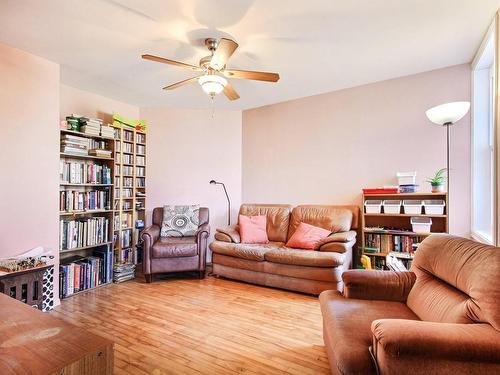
174 254
442 318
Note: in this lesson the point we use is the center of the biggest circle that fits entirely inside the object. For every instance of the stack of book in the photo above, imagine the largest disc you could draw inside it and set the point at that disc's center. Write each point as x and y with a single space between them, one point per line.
99 148
72 144
100 152
90 126
107 131
123 272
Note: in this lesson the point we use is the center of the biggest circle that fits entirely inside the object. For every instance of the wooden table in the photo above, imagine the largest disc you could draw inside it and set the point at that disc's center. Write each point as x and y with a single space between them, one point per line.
35 343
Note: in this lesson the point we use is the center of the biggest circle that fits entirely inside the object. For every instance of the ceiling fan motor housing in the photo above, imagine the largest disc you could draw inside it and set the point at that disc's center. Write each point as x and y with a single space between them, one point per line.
211 44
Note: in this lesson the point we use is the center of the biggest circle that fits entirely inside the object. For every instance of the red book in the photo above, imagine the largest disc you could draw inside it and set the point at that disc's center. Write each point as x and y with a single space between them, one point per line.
381 191
76 283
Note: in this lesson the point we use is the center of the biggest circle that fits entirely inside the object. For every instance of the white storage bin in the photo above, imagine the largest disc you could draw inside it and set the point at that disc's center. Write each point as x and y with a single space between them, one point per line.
392 206
413 207
406 178
373 206
421 224
434 206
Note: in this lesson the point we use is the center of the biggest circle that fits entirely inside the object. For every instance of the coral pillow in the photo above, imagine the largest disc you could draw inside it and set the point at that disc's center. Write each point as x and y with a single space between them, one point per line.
307 236
253 229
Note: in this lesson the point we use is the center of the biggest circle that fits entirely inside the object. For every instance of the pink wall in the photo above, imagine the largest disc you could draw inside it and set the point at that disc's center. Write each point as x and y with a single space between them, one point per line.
325 148
89 104
29 156
186 149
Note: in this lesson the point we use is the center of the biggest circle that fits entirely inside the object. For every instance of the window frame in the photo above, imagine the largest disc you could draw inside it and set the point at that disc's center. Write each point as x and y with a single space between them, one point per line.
493 31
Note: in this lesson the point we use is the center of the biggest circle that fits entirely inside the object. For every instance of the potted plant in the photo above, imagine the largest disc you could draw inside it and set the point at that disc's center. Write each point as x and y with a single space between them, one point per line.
437 181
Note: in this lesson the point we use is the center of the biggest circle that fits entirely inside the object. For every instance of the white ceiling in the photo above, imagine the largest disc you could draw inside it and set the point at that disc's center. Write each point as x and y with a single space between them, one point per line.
316 45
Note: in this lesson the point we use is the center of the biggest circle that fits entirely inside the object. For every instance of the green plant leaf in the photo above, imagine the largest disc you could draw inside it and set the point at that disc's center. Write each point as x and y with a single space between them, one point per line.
438 178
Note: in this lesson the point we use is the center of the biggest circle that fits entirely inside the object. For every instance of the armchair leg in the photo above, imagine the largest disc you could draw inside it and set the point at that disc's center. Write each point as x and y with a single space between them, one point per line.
149 278
201 274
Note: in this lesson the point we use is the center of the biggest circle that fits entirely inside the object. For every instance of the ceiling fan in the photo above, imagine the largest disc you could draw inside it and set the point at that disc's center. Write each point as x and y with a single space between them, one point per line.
214 70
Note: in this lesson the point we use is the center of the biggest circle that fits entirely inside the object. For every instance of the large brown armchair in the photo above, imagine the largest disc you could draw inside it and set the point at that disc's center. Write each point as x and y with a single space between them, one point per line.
443 317
174 254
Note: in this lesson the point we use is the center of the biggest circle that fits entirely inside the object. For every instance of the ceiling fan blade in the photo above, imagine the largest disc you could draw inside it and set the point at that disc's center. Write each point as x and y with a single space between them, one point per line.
181 83
230 93
171 62
248 74
225 49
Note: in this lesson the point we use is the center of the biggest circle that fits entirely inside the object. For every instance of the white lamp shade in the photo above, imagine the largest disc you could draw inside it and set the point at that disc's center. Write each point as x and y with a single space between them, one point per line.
448 113
212 84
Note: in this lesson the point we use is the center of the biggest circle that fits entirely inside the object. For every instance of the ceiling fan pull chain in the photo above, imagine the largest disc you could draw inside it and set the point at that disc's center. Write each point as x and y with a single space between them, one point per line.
212 105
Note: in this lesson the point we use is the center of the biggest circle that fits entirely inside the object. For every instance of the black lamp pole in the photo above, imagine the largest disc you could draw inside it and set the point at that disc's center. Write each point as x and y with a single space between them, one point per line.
213 182
448 124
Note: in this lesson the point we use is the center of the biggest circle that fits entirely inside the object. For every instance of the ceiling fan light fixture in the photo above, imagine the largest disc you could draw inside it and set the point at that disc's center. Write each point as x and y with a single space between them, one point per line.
212 84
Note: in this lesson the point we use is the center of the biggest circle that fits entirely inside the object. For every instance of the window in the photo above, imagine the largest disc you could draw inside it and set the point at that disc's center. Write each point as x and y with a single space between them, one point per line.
484 210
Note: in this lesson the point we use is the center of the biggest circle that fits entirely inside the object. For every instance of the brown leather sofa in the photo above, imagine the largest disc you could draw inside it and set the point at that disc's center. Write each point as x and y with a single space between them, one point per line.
174 254
443 317
276 265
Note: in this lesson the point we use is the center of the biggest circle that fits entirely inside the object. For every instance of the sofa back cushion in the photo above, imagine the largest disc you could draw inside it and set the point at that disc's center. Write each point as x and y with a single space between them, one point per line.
278 218
158 216
457 281
332 218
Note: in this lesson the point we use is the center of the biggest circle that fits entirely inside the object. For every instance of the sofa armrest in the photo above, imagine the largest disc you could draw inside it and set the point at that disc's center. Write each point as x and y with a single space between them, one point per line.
228 234
150 235
400 340
202 232
378 285
339 242
340 237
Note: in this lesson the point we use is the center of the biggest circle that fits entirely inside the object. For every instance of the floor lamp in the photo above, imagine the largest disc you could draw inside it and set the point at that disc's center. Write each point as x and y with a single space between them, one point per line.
446 115
213 182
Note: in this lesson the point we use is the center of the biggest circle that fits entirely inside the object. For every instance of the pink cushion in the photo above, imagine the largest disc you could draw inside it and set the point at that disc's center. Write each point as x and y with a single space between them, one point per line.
307 236
253 229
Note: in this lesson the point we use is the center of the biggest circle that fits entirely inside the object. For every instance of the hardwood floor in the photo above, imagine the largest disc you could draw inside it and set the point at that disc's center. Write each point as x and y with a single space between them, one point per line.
210 326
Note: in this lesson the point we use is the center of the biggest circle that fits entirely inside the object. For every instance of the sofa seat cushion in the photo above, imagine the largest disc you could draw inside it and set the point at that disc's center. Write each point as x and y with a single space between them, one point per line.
328 274
347 327
244 251
309 258
175 247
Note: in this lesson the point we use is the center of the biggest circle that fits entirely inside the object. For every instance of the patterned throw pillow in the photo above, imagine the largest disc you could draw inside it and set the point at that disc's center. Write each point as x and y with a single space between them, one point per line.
180 221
